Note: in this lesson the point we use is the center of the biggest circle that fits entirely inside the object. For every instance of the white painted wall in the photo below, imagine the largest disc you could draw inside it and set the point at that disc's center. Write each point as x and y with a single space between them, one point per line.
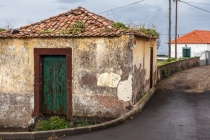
196 49
208 46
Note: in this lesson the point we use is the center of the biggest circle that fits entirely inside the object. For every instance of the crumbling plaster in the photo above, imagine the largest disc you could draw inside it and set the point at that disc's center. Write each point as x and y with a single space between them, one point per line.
124 90
99 64
108 74
141 66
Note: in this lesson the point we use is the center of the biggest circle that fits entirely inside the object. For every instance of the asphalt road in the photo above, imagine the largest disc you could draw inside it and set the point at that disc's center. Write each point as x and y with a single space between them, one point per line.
179 110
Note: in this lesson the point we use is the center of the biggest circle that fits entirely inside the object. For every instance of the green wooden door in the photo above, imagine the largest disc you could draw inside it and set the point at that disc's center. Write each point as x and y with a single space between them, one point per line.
54 89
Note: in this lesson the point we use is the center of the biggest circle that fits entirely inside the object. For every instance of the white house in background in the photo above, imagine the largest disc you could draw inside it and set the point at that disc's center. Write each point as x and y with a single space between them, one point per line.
162 57
195 43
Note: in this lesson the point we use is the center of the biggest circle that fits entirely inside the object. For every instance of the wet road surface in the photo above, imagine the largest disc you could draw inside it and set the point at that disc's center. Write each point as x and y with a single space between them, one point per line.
179 110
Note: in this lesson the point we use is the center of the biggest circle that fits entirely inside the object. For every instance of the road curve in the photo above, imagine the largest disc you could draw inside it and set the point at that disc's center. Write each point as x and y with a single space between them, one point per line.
179 110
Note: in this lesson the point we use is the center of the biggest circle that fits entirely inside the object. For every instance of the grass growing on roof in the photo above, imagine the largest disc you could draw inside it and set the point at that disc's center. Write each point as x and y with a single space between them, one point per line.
77 27
2 29
139 28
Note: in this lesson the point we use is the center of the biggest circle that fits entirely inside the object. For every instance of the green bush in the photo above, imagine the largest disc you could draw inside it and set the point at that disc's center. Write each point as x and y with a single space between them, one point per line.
57 123
77 27
165 73
51 124
150 32
119 25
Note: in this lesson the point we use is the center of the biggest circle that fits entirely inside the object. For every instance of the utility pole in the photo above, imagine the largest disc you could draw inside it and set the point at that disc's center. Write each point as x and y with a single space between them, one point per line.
176 30
169 32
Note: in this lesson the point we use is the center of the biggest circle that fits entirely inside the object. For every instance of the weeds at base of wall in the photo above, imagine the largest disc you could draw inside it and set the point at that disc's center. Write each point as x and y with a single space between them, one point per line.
165 73
179 69
52 124
56 122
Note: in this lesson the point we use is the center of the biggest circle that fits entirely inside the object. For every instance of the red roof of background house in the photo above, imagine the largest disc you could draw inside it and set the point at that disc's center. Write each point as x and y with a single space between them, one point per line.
96 25
194 37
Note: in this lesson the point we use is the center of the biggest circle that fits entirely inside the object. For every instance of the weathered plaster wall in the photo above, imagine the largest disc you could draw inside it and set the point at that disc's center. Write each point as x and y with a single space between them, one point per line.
16 67
98 106
154 62
101 65
102 71
16 83
141 66
16 109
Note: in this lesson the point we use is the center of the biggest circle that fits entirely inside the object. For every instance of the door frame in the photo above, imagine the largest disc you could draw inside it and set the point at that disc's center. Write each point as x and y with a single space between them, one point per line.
38 53
151 66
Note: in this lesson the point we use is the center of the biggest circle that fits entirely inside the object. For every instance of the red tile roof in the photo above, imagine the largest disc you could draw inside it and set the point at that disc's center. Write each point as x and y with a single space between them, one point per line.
95 25
194 37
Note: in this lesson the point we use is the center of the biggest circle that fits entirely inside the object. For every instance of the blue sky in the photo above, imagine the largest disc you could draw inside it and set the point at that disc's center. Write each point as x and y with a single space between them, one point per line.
148 12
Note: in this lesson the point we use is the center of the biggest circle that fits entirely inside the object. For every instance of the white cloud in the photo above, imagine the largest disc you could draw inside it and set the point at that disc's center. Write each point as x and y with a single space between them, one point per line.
70 1
63 8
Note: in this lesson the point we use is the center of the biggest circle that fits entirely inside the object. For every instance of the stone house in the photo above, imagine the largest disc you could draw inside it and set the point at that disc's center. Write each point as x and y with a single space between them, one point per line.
73 64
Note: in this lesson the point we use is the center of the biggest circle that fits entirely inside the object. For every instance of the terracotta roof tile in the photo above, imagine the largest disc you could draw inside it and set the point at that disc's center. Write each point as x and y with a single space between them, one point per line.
60 25
194 37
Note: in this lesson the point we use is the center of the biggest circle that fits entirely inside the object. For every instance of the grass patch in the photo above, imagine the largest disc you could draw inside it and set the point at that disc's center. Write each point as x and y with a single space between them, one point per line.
79 122
52 124
55 122
161 63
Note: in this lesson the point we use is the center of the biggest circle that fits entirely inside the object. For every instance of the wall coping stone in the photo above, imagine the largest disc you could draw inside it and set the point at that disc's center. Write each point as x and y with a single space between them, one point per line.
173 67
172 63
